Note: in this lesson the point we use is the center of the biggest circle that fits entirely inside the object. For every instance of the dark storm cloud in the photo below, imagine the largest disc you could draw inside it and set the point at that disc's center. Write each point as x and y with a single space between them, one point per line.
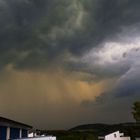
33 32
16 34
118 99
109 108
129 84
71 59
98 72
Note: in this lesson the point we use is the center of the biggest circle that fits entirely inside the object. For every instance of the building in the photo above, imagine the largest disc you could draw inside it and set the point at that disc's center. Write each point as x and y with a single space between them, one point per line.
10 129
39 138
114 136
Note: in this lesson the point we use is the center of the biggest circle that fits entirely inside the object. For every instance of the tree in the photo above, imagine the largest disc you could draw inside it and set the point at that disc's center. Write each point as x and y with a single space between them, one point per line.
136 111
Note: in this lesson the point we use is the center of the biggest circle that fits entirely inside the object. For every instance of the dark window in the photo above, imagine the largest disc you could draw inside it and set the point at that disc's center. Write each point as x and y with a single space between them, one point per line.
24 133
3 131
14 133
115 135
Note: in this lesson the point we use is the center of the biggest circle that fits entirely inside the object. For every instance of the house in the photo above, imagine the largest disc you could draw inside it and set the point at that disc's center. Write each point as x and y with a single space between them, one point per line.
10 129
35 134
114 136
13 130
39 138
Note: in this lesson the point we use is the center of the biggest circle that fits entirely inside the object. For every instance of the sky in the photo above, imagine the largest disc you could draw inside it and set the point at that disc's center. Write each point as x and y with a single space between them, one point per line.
69 62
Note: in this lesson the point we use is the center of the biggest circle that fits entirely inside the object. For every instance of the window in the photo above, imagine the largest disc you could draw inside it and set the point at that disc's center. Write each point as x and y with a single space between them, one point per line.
24 133
115 135
3 131
14 133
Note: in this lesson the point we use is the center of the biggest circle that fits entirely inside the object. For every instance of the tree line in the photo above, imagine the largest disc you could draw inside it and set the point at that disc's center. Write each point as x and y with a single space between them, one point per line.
136 111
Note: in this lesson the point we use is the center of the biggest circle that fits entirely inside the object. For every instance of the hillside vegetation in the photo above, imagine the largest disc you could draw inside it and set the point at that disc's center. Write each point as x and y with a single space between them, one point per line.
92 131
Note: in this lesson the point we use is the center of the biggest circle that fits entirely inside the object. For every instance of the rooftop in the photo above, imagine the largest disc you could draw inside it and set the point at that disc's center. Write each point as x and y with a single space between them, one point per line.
11 123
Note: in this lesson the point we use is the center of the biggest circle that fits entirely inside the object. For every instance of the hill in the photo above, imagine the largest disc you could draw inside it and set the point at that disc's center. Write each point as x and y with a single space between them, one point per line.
131 129
92 131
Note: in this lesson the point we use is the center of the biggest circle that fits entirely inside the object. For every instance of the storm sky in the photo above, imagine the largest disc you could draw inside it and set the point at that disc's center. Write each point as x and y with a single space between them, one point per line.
69 62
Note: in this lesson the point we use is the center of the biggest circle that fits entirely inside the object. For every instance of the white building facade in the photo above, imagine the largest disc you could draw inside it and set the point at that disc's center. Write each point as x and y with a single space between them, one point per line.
115 136
40 138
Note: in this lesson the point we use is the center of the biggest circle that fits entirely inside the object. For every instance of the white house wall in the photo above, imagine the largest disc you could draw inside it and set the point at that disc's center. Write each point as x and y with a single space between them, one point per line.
39 138
116 136
113 136
125 138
